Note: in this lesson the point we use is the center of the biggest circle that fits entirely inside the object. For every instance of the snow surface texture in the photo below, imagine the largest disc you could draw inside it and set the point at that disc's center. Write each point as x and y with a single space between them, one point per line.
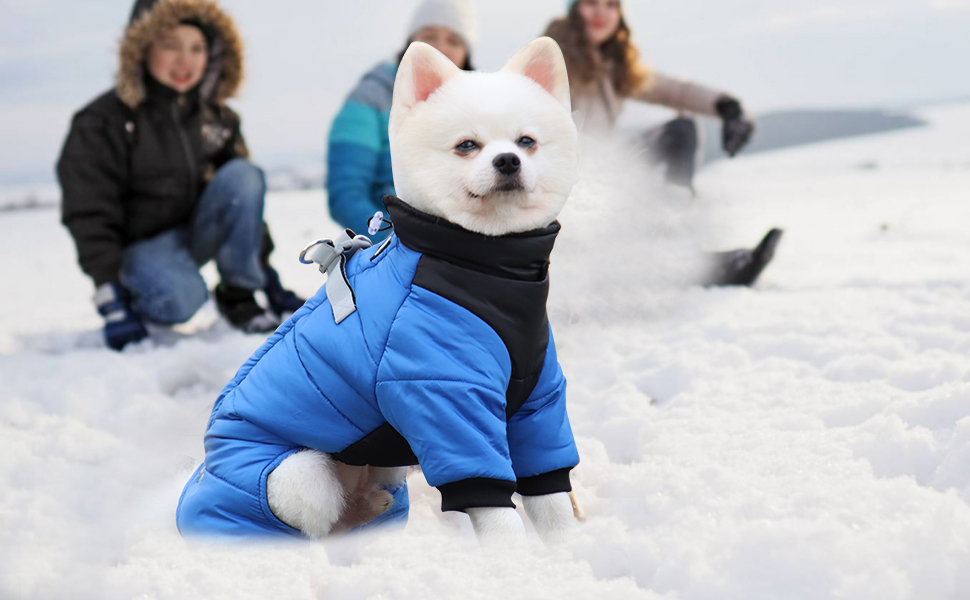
807 439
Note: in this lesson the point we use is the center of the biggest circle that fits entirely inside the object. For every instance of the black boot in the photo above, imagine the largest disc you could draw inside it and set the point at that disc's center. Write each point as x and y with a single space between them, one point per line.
239 307
743 266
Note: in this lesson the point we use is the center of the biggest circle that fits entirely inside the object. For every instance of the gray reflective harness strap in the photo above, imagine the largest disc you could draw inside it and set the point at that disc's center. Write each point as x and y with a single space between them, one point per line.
332 256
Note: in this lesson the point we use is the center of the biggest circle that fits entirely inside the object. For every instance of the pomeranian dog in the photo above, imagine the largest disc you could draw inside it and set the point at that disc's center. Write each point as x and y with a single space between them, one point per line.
445 358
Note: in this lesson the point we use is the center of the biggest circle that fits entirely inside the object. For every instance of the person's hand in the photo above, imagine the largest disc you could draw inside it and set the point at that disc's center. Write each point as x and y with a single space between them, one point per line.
736 129
122 325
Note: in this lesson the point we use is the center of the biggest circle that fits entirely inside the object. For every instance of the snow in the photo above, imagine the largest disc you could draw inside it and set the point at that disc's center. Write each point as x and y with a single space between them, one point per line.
806 439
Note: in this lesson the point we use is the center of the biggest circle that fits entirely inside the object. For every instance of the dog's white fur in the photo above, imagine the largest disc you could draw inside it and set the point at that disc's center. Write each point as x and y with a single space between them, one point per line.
552 516
436 108
497 526
304 492
319 496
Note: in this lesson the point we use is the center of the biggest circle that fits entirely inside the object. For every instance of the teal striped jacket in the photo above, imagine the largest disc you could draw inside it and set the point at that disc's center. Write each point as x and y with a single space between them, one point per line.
359 154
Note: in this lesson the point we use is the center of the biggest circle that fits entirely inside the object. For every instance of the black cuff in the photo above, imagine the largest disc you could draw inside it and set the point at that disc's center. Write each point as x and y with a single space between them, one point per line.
547 483
476 492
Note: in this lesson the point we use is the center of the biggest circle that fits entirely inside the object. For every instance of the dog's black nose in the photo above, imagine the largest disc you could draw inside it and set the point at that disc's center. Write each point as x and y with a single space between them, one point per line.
507 164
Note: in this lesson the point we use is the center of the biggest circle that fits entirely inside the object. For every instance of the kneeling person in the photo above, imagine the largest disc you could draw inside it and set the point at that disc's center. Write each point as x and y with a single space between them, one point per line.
156 180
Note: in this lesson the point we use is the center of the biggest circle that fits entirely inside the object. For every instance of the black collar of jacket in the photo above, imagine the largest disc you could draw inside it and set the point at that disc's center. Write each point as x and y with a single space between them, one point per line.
523 256
156 91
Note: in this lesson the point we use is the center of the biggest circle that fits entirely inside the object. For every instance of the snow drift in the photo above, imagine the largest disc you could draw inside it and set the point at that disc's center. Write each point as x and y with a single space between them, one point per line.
807 439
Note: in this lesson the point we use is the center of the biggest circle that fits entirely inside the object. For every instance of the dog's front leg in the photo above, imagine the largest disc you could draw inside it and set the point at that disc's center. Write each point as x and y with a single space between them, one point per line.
552 516
497 525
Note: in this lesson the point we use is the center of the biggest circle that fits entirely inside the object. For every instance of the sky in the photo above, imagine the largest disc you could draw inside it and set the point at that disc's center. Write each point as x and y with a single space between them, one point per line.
303 56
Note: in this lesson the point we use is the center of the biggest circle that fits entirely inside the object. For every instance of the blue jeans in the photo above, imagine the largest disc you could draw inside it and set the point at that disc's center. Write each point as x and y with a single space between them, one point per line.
162 272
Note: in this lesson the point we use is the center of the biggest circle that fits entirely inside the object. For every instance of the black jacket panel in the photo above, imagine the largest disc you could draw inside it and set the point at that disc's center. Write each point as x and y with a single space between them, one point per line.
128 174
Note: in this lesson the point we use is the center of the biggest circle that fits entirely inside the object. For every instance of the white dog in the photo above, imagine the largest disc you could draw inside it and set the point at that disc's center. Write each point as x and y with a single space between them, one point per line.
451 362
493 152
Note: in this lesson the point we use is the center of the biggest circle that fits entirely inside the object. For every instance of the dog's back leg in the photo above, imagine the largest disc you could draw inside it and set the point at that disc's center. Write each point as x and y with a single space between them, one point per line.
305 492
385 477
365 500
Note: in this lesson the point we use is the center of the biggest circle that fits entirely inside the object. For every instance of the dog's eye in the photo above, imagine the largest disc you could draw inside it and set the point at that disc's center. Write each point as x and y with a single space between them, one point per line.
526 142
466 146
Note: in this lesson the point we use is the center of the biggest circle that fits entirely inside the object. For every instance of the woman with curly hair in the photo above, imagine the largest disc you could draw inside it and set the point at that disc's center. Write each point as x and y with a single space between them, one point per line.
605 70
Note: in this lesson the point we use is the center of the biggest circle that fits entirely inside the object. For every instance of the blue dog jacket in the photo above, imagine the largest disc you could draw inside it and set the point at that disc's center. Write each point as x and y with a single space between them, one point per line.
448 362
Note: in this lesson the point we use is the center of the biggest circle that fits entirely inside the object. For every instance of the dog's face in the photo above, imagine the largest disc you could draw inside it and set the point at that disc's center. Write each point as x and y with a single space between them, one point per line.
493 152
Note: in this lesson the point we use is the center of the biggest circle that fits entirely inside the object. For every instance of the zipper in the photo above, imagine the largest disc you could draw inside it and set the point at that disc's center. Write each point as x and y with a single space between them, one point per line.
186 146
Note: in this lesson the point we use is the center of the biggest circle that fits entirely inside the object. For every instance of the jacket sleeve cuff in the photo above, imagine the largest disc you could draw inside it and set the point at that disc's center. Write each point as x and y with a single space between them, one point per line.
546 483
103 271
476 492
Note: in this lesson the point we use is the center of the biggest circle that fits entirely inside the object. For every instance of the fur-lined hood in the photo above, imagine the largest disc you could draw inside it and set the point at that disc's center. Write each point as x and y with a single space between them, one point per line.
224 73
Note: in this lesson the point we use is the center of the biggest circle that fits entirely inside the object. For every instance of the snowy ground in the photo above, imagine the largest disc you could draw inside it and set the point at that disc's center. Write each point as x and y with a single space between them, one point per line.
808 439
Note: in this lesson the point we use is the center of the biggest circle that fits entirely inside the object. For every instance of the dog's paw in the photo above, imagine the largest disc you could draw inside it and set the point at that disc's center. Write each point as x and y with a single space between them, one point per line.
363 506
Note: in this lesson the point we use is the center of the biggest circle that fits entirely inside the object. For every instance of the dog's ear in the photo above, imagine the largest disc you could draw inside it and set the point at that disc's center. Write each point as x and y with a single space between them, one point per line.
542 62
422 71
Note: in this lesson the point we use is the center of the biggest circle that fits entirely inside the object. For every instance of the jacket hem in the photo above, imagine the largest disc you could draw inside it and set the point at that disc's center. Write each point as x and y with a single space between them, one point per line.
263 496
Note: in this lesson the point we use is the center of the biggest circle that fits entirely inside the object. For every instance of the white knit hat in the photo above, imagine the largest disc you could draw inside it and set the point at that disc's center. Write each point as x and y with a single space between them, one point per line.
457 15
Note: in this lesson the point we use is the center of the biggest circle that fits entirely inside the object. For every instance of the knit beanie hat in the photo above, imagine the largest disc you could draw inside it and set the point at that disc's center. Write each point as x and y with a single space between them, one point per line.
456 15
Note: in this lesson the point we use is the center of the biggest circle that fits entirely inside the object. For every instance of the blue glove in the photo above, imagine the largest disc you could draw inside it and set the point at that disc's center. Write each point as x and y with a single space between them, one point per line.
121 324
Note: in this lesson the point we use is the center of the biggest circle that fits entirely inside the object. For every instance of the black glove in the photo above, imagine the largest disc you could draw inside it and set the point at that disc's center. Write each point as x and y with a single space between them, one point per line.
736 129
121 324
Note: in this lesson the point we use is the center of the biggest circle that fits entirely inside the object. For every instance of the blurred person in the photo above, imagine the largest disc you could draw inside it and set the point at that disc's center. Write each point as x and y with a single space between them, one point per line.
605 70
359 154
156 180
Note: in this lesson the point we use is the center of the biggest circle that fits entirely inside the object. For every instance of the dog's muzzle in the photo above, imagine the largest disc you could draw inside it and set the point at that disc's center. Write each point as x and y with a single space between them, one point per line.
509 166
509 185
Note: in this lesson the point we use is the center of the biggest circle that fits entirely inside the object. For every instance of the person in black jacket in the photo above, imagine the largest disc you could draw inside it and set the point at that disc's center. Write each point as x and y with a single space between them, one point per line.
156 181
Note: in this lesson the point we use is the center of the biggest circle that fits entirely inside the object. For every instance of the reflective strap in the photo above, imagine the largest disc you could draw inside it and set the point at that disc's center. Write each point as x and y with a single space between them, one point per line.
332 258
339 292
